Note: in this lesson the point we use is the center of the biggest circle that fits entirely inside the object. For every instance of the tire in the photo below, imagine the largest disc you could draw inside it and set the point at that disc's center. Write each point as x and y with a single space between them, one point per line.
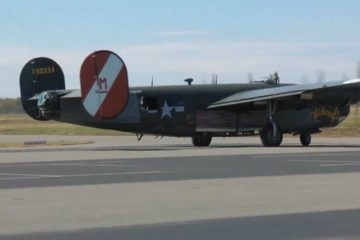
305 139
201 140
268 138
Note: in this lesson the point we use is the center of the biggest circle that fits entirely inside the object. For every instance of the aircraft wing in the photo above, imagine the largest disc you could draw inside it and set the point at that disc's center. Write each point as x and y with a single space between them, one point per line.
272 93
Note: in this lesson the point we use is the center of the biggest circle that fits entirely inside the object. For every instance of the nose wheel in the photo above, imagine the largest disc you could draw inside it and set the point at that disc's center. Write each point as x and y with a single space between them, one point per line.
305 139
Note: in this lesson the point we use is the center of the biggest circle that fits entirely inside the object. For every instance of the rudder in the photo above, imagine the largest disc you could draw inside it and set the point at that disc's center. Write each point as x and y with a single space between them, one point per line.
104 84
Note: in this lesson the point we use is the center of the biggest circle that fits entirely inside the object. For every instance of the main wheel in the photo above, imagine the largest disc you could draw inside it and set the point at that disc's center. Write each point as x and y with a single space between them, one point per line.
305 139
269 138
201 140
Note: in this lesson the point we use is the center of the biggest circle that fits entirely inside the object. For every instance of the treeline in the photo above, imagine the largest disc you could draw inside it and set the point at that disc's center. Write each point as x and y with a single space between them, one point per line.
10 105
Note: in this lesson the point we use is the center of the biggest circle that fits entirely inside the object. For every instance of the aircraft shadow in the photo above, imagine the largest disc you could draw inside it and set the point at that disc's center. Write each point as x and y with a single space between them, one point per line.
160 148
185 147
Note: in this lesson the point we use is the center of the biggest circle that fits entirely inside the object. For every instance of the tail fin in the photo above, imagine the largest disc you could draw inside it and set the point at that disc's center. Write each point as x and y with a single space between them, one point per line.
104 84
37 76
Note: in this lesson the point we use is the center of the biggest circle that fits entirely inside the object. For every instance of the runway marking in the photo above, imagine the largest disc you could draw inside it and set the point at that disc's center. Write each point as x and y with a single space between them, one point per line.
308 154
28 175
91 165
24 176
329 163
35 176
322 161
110 174
340 164
68 164
21 178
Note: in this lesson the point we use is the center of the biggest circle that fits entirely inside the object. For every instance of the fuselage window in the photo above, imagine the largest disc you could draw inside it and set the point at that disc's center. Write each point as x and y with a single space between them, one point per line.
149 104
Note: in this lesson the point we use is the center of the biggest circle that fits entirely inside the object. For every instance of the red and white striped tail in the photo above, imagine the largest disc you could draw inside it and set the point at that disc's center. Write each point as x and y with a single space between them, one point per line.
104 84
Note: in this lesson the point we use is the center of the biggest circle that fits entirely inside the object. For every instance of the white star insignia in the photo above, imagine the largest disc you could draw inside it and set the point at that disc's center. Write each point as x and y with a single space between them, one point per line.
166 110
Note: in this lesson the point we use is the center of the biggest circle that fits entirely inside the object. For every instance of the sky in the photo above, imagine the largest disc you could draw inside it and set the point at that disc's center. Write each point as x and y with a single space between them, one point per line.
173 40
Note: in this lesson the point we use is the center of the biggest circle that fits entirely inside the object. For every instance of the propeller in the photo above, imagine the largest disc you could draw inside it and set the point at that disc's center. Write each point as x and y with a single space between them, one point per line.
321 76
214 78
344 77
304 79
358 103
250 77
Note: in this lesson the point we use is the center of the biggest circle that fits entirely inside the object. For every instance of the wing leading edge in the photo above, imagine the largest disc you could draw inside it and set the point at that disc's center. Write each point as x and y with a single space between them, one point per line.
267 94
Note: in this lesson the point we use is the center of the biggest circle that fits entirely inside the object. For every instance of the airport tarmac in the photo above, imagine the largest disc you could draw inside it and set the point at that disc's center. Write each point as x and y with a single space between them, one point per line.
119 188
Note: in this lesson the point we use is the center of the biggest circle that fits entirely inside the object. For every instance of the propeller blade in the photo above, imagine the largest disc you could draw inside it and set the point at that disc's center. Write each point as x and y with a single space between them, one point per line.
250 77
321 76
358 104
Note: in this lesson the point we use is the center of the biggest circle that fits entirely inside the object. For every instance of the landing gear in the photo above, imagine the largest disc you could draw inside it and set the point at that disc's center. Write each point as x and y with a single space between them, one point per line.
271 137
305 139
201 140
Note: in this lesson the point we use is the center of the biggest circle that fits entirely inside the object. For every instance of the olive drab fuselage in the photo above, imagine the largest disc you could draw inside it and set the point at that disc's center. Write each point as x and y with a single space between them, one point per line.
182 111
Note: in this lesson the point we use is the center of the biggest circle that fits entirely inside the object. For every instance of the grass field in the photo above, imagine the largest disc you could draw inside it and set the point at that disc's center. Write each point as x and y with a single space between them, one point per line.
21 124
51 143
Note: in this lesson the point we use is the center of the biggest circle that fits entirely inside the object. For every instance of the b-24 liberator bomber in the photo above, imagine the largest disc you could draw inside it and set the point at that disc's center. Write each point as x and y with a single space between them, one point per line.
201 112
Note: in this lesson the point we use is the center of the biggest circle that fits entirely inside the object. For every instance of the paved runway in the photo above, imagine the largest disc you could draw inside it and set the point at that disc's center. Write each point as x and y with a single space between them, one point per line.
166 189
